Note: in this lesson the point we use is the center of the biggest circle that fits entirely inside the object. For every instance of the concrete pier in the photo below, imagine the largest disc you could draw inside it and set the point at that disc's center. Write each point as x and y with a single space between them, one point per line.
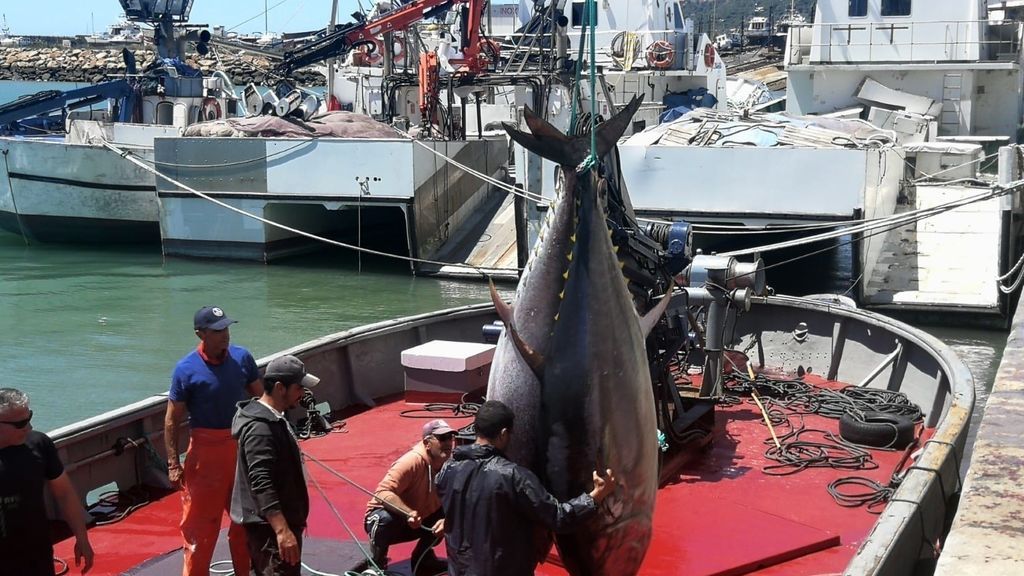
987 536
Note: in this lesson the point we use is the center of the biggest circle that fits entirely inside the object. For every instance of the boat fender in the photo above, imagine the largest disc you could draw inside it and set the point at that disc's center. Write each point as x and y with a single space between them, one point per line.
660 54
877 429
209 109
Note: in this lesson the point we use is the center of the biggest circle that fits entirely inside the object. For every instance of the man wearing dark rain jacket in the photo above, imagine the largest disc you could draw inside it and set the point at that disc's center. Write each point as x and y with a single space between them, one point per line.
490 503
270 497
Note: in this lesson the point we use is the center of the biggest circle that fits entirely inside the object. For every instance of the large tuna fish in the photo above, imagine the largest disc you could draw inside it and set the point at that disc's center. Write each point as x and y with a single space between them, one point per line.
573 366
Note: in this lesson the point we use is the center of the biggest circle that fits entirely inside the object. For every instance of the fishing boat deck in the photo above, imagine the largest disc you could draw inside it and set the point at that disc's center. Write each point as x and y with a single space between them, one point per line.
721 514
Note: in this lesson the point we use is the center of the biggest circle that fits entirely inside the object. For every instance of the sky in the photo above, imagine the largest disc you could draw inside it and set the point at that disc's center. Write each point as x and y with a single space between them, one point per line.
74 17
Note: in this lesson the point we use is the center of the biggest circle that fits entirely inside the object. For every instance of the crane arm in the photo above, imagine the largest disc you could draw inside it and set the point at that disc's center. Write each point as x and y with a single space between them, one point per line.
354 34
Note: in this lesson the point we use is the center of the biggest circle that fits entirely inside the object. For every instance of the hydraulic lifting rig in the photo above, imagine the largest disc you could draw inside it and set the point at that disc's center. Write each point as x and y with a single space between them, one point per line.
478 52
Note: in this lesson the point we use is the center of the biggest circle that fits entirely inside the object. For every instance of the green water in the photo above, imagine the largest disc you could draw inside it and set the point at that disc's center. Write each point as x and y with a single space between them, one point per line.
88 330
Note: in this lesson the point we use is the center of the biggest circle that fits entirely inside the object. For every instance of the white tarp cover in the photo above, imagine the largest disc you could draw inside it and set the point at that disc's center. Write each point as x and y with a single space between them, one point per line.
944 147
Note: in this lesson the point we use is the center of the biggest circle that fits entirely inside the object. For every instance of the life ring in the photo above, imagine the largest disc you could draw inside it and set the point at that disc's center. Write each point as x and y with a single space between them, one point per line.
209 109
369 53
709 55
877 429
660 54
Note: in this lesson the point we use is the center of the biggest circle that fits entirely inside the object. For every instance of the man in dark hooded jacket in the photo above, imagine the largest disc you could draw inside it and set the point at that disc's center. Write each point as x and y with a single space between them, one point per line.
490 503
269 496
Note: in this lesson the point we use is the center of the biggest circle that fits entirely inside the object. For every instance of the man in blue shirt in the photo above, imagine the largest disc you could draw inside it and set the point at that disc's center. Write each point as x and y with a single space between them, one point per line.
205 387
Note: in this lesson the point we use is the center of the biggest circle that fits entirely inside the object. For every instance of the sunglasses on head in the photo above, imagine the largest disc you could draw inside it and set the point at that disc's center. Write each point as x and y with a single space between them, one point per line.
445 437
19 424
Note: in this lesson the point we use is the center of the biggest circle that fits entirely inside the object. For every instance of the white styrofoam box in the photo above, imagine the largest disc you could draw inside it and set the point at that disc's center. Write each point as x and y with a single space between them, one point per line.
448 356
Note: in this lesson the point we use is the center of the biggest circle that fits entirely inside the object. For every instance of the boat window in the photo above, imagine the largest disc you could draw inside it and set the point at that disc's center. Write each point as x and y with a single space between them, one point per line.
165 113
895 7
858 8
578 13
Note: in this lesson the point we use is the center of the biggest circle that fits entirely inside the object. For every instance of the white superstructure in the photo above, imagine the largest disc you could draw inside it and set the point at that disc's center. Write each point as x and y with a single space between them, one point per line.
949 52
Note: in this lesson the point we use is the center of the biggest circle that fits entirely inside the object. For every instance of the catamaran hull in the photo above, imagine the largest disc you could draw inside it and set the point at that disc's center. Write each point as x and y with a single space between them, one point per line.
51 191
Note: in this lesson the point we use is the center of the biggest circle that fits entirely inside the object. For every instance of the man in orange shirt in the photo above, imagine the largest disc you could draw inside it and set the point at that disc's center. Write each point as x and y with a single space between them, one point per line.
406 506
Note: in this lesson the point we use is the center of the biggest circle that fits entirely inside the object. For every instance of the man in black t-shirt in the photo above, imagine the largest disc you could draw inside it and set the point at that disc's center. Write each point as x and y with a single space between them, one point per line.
28 463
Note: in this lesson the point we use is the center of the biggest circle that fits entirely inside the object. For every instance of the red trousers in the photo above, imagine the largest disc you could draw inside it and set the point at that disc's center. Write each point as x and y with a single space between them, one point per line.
209 474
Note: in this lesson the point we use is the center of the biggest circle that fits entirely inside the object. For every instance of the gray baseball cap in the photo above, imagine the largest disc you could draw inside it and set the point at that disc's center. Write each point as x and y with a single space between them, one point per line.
290 370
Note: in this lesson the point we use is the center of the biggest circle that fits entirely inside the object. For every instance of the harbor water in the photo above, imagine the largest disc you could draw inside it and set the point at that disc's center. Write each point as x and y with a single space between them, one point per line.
87 329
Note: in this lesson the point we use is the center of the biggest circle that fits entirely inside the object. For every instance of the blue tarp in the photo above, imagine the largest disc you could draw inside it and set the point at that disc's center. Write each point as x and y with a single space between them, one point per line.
673 113
686 101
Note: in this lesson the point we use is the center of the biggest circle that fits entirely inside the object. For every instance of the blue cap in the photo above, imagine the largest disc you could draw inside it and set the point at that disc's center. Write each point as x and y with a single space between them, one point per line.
212 318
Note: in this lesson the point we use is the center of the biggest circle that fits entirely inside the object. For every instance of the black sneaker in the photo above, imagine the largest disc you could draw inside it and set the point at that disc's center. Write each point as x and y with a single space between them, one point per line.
364 566
432 566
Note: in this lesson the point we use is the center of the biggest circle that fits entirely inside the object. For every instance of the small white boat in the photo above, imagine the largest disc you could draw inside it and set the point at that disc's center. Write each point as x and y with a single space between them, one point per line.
8 40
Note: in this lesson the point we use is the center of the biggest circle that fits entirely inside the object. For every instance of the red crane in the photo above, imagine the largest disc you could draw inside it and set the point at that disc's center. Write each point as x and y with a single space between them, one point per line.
478 52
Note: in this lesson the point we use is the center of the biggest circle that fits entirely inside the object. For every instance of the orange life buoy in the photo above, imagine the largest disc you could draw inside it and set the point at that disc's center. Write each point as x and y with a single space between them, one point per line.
660 54
209 109
369 53
709 55
372 53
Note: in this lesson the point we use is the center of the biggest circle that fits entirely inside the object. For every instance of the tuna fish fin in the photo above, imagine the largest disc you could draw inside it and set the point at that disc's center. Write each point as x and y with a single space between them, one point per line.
650 320
503 309
533 359
609 131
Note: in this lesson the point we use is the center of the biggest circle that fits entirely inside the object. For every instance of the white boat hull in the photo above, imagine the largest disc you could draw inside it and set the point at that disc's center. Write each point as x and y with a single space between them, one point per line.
349 188
51 191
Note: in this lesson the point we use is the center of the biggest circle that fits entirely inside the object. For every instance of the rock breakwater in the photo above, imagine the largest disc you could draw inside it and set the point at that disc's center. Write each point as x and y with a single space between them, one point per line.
100 65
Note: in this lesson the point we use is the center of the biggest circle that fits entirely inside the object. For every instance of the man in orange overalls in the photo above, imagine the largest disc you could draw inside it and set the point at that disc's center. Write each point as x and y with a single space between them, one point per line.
205 387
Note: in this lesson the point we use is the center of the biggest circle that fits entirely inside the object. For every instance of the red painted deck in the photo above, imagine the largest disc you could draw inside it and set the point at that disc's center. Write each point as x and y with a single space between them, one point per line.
722 515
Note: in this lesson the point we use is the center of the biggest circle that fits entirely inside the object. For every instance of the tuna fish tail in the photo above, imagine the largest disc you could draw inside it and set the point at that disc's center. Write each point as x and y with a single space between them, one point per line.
549 142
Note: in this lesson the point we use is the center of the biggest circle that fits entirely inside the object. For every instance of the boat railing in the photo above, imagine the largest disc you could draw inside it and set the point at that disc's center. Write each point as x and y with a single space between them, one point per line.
934 41
679 40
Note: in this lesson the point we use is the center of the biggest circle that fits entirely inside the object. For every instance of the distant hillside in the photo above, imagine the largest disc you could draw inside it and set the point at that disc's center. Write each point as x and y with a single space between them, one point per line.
725 15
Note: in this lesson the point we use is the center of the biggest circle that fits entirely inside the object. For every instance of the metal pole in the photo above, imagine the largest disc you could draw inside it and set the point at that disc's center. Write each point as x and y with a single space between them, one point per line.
330 61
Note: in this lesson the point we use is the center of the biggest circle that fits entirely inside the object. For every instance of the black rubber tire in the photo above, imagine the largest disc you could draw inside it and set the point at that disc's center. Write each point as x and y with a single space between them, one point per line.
877 429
